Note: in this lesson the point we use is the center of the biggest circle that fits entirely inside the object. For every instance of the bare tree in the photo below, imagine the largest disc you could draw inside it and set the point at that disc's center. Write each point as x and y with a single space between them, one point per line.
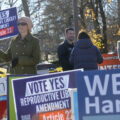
10 3
26 8
82 20
119 12
104 28
58 15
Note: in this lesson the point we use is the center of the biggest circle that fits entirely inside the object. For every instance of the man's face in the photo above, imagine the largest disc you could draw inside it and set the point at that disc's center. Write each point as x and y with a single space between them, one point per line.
70 36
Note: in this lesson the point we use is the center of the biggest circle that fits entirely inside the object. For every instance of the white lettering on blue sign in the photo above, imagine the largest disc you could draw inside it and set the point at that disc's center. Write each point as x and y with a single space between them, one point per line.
4 26
52 106
97 83
42 98
47 85
116 83
99 87
103 88
4 14
105 106
9 19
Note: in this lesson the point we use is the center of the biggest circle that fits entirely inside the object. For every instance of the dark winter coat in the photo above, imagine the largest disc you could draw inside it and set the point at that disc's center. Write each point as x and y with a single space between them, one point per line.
85 55
64 51
28 53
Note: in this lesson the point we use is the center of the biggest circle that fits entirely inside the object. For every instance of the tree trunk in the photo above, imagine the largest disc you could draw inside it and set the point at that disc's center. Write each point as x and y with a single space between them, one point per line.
119 17
95 10
26 8
105 50
119 13
81 12
75 7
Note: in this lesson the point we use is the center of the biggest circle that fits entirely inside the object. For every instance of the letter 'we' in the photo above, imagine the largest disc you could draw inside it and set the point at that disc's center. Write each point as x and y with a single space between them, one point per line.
91 87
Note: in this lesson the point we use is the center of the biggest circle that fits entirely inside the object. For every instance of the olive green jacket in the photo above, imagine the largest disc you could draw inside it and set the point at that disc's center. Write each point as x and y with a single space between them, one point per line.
28 53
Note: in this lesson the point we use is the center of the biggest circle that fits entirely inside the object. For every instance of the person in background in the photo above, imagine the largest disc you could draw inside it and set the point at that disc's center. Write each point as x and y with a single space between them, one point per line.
24 50
85 55
65 48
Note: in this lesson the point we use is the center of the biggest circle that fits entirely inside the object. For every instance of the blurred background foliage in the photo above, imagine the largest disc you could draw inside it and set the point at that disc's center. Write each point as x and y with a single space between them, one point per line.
100 18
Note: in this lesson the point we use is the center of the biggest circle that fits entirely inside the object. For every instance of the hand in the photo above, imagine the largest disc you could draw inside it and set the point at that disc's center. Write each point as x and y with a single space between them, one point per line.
14 62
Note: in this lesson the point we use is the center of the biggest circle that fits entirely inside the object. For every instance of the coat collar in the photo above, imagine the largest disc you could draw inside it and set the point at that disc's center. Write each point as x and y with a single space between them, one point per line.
27 38
66 42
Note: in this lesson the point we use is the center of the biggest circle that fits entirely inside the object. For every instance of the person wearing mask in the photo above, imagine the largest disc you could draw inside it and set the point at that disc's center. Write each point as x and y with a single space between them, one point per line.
24 50
85 55
65 48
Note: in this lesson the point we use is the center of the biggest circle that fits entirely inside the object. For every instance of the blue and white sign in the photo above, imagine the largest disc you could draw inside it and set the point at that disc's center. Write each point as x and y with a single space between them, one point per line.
41 94
99 95
8 23
3 86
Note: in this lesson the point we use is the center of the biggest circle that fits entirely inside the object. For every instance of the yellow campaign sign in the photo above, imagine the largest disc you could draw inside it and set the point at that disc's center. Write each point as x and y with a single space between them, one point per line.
118 32
3 72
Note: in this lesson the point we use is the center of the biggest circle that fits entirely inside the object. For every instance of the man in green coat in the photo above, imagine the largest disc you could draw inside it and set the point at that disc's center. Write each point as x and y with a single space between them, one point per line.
24 50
